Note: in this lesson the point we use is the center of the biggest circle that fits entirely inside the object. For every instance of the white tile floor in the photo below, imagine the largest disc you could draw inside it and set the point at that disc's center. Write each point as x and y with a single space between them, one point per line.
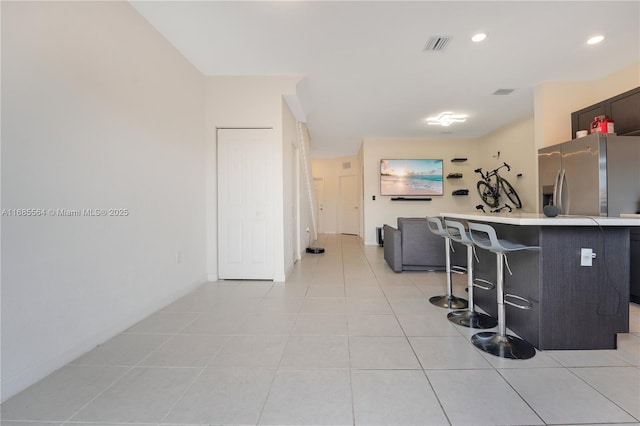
346 341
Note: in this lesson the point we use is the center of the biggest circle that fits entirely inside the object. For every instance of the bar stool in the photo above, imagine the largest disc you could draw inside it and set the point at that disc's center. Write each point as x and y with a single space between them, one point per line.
448 300
501 344
469 318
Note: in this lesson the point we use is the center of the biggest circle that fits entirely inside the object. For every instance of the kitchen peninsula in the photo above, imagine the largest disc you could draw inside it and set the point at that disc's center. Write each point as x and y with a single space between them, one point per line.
572 306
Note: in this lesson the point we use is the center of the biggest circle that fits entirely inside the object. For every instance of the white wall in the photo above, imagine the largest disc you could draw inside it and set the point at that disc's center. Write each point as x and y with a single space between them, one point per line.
308 222
516 145
98 111
384 211
297 206
248 102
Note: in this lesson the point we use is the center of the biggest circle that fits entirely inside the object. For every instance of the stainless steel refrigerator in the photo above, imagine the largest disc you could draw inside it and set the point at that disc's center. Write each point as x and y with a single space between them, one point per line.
596 175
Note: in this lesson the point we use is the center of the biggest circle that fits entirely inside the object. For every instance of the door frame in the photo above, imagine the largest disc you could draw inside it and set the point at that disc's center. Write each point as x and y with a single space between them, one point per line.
341 210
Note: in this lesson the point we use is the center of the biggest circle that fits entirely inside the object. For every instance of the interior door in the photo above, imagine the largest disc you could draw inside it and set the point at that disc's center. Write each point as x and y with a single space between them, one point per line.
245 222
349 212
318 188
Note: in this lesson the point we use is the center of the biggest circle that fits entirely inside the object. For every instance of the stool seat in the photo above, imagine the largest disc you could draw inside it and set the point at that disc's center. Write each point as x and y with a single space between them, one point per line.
500 343
457 232
448 301
469 318
491 242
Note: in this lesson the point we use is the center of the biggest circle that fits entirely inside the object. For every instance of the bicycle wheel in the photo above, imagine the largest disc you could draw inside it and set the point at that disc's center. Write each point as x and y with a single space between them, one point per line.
488 194
510 192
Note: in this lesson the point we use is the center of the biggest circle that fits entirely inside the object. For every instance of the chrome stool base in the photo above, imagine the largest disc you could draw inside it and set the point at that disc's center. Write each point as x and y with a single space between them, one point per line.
449 302
472 319
507 346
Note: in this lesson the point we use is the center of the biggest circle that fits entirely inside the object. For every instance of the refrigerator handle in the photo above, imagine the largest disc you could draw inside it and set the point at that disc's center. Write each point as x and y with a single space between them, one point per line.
561 184
555 201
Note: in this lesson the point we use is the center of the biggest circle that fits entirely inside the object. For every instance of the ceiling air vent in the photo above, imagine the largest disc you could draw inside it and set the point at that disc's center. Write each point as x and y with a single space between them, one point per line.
437 43
503 92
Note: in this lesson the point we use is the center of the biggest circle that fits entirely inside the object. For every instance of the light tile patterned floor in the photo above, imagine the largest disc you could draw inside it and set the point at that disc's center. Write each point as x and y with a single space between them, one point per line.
344 342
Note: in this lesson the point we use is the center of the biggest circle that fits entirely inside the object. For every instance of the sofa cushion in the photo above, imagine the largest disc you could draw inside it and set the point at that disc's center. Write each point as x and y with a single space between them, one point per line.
412 247
419 245
393 247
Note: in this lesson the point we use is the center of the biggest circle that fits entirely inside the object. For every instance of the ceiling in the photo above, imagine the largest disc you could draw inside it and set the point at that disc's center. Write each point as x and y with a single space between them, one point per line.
364 68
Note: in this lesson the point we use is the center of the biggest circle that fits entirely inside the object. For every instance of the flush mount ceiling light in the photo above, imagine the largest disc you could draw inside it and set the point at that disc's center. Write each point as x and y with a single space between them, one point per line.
446 119
478 37
595 39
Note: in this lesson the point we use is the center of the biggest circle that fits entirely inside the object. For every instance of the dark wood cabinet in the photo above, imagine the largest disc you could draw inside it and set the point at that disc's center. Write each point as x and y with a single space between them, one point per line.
635 265
624 109
583 118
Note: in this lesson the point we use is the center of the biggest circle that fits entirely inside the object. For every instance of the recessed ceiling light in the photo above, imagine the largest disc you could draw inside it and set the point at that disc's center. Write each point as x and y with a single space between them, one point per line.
478 37
595 39
446 119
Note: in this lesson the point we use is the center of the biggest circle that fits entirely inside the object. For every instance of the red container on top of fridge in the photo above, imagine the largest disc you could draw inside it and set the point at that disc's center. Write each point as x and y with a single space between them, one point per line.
602 124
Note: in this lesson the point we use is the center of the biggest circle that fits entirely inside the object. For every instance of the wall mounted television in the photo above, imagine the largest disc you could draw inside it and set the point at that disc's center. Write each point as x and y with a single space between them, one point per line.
411 177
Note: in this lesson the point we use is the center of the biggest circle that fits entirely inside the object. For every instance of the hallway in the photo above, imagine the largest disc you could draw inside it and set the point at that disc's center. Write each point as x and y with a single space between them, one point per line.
345 341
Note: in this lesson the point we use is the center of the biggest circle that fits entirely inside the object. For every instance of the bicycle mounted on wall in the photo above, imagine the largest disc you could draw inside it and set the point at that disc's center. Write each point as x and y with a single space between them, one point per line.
490 187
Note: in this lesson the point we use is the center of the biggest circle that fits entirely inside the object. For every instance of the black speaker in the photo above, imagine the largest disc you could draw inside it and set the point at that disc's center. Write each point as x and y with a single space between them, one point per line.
551 211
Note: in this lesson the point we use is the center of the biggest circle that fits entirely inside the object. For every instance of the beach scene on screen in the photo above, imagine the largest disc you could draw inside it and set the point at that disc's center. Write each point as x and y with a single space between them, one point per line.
411 177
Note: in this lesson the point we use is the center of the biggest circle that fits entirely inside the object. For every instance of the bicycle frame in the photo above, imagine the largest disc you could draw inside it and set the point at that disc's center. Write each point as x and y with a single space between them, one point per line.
487 176
492 184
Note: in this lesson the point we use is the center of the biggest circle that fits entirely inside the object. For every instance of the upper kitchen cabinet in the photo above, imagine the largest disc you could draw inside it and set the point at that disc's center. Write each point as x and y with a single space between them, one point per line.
624 109
581 120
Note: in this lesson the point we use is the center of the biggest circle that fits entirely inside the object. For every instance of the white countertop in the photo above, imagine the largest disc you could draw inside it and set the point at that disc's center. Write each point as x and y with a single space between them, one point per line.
541 220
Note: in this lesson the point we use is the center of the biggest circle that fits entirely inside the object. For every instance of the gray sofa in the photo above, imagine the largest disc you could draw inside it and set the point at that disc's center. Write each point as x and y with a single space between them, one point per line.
412 247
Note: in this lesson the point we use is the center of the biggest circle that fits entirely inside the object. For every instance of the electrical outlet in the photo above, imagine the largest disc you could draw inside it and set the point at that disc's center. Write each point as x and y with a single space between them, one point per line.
586 257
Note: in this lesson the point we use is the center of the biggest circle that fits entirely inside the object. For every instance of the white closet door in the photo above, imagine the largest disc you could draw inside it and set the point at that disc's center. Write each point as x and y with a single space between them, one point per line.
245 208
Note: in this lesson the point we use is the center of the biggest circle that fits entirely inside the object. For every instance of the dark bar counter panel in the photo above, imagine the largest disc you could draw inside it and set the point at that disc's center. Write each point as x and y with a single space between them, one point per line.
573 306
